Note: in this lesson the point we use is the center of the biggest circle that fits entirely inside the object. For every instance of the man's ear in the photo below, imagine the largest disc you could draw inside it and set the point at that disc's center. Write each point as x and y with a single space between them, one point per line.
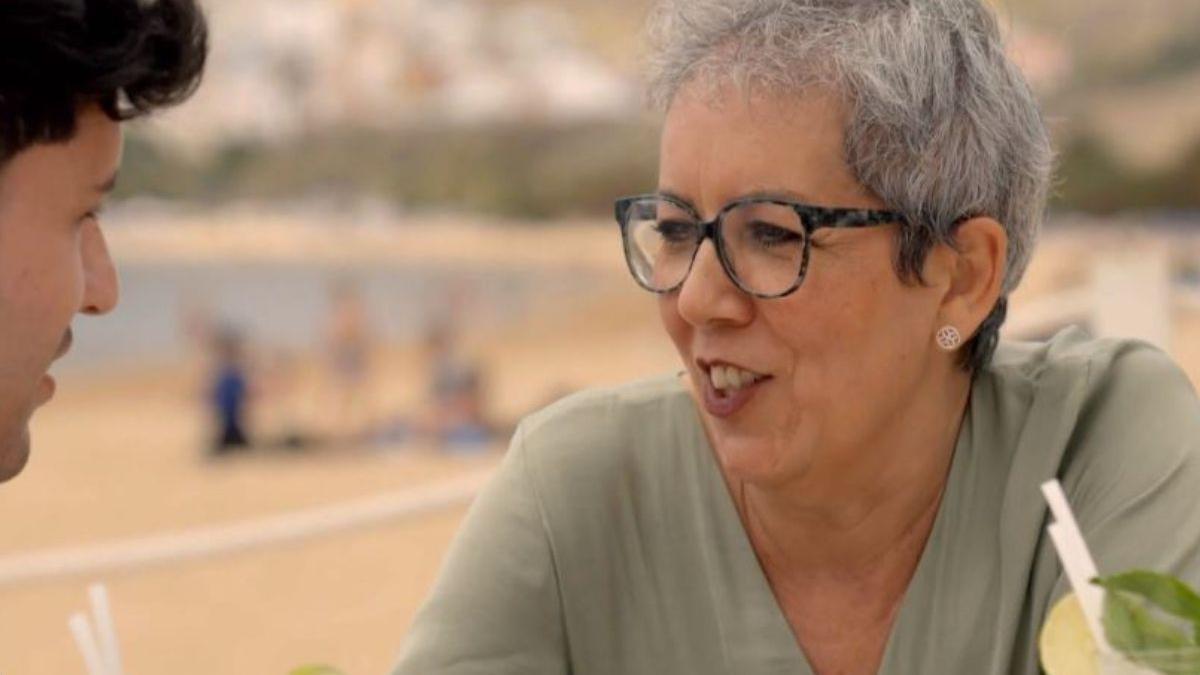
974 273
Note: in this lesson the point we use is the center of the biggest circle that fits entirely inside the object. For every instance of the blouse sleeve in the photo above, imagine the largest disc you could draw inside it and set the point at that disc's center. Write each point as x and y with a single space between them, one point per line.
495 608
1135 483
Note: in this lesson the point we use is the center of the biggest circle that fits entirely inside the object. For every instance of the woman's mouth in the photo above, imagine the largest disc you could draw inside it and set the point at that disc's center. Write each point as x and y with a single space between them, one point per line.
727 389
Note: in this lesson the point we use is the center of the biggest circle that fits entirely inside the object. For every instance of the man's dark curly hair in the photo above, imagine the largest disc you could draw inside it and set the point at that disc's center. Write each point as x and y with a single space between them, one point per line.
129 57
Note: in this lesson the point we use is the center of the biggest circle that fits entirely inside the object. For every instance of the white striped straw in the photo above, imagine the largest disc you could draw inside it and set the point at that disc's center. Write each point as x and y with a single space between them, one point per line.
1076 560
85 640
106 630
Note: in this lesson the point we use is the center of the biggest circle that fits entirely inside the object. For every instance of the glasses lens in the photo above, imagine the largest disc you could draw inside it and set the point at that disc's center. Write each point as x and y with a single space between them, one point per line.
661 240
765 246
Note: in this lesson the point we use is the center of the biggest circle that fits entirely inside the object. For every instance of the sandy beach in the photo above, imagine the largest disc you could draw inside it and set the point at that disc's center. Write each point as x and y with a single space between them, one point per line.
117 456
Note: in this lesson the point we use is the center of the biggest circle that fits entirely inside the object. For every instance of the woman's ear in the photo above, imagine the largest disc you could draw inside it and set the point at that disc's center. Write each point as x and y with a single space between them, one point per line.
975 273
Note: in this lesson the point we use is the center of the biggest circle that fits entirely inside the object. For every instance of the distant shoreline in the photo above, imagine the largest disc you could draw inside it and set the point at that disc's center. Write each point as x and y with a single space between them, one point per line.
268 236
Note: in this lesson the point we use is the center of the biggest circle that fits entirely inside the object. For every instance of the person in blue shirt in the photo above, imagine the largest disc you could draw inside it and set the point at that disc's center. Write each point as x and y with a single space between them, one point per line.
229 394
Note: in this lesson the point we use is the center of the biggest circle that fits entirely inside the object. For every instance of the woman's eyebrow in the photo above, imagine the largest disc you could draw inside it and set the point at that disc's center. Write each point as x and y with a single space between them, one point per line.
680 200
780 194
670 194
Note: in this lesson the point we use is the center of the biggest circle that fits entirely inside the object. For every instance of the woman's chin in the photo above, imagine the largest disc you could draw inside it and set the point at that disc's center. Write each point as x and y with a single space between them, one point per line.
757 461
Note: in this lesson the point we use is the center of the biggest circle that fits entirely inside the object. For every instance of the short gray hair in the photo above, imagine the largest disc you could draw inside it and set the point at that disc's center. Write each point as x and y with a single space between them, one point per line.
942 125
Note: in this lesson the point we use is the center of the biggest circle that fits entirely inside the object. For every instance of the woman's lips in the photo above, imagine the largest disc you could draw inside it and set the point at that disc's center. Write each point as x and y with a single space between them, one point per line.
724 404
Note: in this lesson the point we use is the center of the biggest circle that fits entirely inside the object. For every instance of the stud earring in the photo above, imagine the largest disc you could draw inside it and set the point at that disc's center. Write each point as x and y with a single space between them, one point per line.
948 338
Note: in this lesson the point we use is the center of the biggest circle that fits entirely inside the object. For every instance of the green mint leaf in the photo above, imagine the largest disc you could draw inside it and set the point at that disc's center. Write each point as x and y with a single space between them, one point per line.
1179 662
1120 628
1166 592
1163 591
1135 632
1130 627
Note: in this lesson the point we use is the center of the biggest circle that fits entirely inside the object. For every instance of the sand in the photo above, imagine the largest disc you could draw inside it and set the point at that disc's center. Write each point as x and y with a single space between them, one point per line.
117 456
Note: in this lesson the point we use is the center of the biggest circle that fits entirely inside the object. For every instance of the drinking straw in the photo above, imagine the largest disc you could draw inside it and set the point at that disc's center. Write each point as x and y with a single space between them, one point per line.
105 629
85 640
1076 560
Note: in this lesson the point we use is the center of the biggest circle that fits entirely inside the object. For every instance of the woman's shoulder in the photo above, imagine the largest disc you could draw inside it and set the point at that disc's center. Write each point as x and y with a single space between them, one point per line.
599 444
1126 414
601 424
650 396
1085 372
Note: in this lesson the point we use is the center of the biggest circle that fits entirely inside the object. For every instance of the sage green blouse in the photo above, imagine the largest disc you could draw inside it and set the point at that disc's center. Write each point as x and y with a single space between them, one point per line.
609 544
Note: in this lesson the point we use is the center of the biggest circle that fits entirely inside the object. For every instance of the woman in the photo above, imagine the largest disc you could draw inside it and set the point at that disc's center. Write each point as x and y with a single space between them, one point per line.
846 478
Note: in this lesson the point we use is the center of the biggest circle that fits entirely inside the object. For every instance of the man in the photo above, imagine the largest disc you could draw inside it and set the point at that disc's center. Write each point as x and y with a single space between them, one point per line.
70 72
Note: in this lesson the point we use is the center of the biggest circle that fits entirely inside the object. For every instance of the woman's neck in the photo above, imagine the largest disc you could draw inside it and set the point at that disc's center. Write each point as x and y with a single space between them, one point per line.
868 518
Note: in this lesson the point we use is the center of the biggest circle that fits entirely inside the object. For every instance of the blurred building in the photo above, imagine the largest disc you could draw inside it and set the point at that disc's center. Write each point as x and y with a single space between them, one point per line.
1044 58
283 67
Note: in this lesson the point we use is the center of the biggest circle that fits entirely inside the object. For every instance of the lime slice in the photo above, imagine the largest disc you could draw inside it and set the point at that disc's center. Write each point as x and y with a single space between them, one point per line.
1066 643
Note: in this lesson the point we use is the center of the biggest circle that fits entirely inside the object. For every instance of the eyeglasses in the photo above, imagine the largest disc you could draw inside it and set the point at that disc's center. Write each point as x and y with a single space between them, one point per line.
763 244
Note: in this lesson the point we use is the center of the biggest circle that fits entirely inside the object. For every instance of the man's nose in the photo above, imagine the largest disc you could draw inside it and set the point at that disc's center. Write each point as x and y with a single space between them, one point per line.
101 289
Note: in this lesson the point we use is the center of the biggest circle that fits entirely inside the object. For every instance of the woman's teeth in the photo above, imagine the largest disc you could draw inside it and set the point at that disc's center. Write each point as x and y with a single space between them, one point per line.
729 378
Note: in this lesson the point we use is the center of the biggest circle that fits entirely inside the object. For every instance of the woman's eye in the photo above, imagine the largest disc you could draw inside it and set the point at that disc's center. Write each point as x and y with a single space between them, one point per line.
768 235
675 231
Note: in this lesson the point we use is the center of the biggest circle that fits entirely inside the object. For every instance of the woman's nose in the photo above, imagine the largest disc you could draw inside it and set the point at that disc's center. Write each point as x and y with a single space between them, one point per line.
709 296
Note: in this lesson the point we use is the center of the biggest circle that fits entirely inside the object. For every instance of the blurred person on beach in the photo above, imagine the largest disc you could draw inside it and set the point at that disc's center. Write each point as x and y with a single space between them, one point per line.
349 343
250 397
279 414
844 477
229 393
227 384
70 72
456 419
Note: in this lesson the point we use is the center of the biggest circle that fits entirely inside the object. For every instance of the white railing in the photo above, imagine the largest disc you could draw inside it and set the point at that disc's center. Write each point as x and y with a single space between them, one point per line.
207 542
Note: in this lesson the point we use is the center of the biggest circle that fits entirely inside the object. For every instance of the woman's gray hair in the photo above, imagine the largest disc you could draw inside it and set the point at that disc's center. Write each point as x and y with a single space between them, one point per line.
941 124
